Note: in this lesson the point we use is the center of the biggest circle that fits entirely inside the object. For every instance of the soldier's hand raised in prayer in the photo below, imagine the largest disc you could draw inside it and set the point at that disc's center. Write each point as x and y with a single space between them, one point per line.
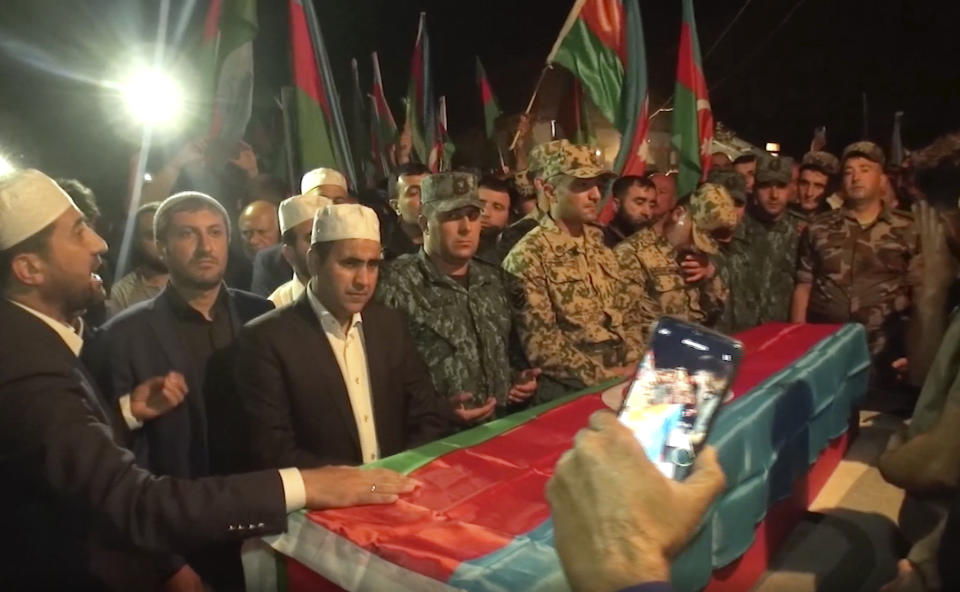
695 270
618 521
524 386
157 396
461 404
341 487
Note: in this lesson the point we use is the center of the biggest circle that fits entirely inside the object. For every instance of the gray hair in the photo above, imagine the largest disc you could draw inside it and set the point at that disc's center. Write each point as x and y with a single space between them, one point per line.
185 201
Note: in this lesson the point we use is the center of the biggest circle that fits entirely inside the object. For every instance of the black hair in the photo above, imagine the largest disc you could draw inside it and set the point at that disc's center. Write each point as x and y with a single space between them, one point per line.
745 159
493 183
322 249
38 243
83 197
410 168
623 184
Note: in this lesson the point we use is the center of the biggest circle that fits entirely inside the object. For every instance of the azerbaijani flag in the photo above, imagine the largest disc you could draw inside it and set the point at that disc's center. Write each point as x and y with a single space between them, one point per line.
228 32
419 109
359 135
692 116
602 44
442 151
383 127
481 522
491 109
378 148
322 133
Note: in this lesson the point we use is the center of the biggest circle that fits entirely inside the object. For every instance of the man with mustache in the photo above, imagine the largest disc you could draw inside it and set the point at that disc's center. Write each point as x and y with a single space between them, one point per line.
862 262
574 318
331 379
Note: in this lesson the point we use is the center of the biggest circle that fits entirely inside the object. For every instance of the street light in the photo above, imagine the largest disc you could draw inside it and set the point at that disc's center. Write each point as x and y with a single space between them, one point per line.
153 98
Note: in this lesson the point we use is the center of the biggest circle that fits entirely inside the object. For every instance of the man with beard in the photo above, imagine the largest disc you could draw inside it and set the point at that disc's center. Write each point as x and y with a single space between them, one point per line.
674 268
762 265
635 203
467 348
83 515
818 179
296 226
150 274
574 318
495 195
861 263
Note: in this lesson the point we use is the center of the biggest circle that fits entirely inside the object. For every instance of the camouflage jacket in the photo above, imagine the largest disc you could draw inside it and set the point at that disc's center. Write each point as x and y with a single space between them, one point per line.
512 234
649 265
573 314
861 274
761 264
462 333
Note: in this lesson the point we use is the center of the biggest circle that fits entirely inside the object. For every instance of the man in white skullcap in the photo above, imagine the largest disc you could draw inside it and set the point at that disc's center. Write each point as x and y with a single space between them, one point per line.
296 228
334 378
329 183
81 504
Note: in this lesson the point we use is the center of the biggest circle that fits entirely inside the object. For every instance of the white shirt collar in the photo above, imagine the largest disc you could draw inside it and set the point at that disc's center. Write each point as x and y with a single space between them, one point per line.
68 334
327 320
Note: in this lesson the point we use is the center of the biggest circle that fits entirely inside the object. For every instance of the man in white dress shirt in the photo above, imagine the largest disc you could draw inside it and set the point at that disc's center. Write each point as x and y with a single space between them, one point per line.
334 378
296 228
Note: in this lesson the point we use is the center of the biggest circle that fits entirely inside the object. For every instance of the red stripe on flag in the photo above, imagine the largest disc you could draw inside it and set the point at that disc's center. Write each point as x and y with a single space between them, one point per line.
486 93
305 74
605 19
477 500
211 24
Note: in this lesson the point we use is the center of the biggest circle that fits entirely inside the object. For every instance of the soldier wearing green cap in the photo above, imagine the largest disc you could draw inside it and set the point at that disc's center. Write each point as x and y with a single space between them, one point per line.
761 262
818 183
530 180
675 268
456 305
861 263
575 319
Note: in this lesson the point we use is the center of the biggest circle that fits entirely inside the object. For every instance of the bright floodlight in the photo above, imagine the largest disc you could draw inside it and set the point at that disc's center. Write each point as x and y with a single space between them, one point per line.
153 98
5 166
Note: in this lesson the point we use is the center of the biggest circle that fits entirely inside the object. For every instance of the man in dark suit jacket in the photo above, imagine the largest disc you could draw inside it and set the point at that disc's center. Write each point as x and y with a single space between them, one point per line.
332 379
270 271
78 513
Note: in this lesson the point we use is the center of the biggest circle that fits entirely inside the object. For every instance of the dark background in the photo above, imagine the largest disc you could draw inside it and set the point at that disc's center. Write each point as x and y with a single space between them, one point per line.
773 78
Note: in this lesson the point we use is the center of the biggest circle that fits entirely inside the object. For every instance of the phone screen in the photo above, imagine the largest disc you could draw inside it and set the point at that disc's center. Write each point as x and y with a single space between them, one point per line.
678 387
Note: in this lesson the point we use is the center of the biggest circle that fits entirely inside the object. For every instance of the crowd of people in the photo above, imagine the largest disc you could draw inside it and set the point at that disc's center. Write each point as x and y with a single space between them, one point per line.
261 343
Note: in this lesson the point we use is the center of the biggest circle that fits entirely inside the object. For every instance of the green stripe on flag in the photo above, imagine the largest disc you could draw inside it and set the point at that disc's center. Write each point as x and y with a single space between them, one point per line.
316 142
597 66
411 460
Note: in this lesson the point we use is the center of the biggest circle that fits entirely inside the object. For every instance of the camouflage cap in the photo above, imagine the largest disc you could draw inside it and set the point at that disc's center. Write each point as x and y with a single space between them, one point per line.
562 157
445 192
712 210
867 150
521 182
732 181
824 162
775 169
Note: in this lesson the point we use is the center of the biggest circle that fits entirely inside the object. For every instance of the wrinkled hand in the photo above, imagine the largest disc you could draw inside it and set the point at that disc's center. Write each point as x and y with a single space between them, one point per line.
618 521
470 415
157 396
695 271
524 386
246 159
185 580
341 487
937 261
192 152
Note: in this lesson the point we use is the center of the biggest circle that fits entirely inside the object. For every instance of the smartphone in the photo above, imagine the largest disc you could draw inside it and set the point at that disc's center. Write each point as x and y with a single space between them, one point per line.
679 385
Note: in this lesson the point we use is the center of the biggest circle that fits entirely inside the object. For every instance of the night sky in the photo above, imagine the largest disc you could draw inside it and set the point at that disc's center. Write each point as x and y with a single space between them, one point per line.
770 82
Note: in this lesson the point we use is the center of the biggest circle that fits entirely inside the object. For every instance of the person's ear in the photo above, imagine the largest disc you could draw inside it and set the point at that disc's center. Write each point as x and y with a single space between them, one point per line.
28 269
289 255
422 222
394 205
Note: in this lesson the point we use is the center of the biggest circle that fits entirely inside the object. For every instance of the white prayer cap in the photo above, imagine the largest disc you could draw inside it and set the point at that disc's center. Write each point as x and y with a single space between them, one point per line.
29 202
322 176
345 221
300 208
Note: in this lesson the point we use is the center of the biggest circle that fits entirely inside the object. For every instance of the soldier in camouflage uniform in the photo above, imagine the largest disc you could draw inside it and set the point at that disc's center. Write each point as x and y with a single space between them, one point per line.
818 181
574 317
456 305
860 263
762 260
677 271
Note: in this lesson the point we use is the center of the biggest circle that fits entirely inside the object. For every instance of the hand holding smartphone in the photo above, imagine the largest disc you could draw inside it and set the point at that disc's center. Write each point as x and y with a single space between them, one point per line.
679 384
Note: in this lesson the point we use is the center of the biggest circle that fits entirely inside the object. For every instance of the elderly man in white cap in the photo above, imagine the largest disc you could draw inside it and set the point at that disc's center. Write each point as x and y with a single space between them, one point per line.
329 183
296 226
335 379
76 488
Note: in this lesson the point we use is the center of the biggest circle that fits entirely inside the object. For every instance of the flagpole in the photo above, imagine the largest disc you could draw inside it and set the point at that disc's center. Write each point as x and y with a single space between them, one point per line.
533 97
